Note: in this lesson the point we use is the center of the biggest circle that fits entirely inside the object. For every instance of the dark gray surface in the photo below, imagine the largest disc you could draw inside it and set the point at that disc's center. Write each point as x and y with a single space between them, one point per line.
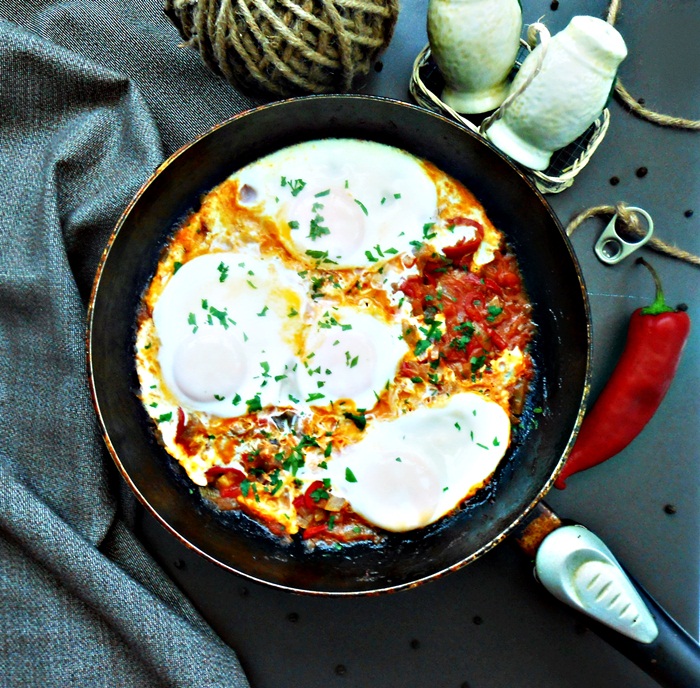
489 625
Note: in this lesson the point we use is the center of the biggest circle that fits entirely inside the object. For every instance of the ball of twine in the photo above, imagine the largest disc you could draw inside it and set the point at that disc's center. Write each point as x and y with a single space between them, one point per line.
287 47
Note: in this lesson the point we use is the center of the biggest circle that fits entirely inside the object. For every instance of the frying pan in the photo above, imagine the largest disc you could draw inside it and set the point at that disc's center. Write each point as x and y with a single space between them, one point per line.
562 350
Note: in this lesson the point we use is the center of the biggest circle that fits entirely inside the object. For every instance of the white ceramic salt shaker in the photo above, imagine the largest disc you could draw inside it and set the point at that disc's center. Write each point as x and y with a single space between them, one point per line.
474 44
565 98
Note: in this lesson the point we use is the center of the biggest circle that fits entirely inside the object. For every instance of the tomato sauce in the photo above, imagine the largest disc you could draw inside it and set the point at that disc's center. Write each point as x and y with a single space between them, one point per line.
480 314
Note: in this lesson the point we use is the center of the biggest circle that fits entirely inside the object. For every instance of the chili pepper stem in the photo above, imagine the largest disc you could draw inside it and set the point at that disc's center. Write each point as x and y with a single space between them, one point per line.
659 304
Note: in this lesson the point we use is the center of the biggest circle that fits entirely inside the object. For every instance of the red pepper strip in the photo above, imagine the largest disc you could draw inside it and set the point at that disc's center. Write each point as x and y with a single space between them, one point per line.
642 376
216 471
181 423
313 531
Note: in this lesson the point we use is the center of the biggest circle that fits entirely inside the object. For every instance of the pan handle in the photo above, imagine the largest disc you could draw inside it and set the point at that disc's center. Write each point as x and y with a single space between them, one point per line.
672 660
578 568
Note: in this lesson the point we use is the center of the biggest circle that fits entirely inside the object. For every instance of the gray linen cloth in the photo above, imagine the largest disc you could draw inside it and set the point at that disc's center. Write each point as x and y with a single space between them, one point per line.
93 96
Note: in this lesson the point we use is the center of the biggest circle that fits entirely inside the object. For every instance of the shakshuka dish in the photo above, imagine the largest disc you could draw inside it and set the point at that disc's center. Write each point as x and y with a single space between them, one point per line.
337 343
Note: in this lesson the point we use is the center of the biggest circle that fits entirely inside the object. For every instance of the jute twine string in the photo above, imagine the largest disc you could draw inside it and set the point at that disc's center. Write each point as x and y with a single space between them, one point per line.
287 47
636 107
627 218
630 222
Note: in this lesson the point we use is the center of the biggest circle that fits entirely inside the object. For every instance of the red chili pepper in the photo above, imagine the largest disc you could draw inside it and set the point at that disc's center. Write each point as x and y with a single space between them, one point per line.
655 340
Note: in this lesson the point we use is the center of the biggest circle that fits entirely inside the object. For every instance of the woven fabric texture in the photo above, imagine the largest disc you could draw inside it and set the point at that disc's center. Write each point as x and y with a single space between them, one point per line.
93 96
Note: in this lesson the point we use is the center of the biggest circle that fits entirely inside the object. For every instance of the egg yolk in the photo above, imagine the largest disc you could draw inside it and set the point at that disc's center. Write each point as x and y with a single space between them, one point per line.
207 365
352 359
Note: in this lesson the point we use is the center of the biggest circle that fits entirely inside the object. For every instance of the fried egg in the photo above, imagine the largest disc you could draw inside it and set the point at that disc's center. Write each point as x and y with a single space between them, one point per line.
359 201
227 340
350 354
409 472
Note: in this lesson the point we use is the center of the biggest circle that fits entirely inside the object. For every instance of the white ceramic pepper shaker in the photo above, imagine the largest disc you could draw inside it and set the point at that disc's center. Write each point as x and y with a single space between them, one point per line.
474 44
565 98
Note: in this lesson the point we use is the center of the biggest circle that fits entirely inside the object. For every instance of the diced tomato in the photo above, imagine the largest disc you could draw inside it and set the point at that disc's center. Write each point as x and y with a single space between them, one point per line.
227 480
409 369
413 287
465 222
230 491
495 288
309 501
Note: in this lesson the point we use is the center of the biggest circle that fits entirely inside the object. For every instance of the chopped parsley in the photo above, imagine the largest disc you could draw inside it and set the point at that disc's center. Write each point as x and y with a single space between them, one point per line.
359 419
432 335
254 404
223 271
192 320
221 316
350 476
296 460
477 362
320 493
363 208
295 185
316 229
320 256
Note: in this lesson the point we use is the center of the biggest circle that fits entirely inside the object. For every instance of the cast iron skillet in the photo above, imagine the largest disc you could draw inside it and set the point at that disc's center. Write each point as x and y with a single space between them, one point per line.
552 278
